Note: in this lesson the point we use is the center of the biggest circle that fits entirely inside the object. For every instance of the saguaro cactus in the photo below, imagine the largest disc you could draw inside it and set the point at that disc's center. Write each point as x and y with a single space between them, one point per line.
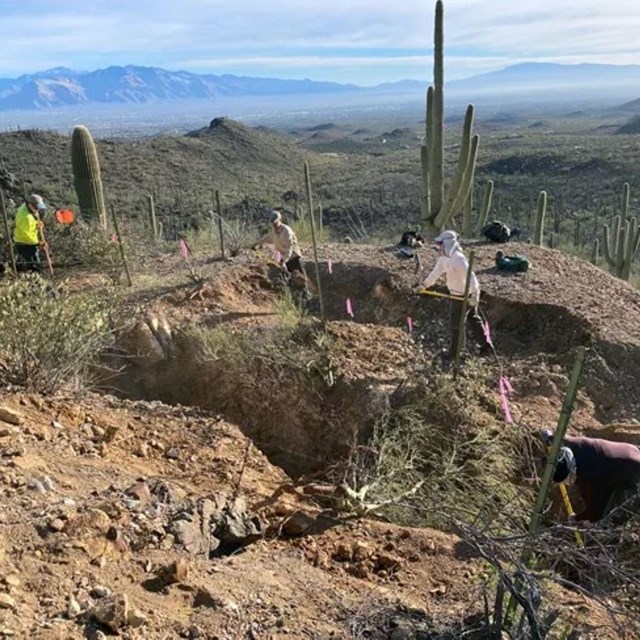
595 252
86 176
538 232
620 245
438 208
153 223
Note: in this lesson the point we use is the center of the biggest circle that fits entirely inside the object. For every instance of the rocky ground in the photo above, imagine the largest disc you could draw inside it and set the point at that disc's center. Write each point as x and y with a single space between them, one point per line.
147 520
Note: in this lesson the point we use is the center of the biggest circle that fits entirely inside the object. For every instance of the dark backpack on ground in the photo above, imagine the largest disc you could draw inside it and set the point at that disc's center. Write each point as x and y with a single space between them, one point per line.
515 264
497 231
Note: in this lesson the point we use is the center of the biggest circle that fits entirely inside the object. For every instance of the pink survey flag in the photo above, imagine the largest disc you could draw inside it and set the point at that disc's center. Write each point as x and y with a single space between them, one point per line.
505 391
410 324
330 265
487 332
184 249
349 307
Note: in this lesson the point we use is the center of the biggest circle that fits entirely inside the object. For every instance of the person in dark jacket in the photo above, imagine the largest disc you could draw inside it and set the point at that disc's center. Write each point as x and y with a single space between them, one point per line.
605 473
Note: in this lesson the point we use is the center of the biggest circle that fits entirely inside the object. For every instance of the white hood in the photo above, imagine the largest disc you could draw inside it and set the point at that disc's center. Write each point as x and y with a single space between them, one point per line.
449 240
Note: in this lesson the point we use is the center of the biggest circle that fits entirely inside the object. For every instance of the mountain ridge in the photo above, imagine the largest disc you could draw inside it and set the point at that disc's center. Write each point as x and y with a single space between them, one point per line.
133 84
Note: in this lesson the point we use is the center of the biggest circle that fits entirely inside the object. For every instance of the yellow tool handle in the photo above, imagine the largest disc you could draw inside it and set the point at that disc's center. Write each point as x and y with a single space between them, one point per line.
437 294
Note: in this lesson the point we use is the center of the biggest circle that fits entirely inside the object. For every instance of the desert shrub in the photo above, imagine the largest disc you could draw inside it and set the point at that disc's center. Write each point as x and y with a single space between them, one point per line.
91 246
50 339
302 229
438 456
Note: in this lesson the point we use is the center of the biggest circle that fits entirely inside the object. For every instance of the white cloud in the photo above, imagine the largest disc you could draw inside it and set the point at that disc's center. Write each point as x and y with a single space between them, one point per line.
359 34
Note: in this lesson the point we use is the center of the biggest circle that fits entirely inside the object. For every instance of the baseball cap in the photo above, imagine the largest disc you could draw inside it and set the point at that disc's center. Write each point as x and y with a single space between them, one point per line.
37 201
274 216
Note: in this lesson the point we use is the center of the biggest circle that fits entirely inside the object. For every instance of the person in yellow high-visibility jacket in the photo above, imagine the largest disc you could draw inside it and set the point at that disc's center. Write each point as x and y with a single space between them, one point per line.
25 234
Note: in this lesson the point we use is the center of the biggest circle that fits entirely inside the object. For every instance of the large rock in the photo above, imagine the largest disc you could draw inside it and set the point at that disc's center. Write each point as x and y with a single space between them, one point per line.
112 612
10 416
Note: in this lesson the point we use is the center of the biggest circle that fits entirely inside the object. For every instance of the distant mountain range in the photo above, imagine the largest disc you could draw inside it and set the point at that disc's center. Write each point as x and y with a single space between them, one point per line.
537 77
134 84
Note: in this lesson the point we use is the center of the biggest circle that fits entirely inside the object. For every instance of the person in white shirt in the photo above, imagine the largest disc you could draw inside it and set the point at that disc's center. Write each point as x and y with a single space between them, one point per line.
453 265
286 244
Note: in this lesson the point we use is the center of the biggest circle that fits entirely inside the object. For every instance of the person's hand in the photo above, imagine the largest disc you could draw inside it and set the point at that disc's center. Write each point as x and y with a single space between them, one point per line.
40 224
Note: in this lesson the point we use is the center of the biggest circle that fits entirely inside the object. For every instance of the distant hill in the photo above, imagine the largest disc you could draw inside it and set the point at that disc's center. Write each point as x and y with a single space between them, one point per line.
632 106
631 127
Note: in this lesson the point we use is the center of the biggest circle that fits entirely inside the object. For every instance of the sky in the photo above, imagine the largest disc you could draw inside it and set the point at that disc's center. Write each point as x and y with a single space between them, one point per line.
361 41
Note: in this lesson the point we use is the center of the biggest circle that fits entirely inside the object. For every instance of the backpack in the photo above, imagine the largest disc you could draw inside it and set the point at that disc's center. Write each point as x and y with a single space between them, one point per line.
515 264
496 231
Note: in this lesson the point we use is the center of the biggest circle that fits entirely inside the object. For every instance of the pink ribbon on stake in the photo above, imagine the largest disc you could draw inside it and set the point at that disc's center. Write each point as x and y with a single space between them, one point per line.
410 324
184 249
329 266
505 391
349 307
487 332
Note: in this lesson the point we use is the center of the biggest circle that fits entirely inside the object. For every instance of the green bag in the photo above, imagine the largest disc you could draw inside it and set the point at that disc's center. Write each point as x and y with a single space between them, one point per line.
516 264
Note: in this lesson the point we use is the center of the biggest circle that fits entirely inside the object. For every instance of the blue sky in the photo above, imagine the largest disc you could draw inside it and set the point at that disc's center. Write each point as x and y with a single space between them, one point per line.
361 41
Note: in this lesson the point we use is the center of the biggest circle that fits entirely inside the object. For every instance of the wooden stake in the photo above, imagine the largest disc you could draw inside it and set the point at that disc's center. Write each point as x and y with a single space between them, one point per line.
307 180
463 318
119 237
552 459
219 210
7 228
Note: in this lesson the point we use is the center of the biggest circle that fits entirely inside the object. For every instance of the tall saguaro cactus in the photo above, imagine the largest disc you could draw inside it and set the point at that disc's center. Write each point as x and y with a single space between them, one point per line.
620 245
439 206
86 176
538 232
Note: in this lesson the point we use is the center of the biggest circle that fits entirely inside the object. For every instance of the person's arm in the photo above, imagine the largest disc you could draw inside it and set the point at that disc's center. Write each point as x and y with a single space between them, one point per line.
267 237
436 273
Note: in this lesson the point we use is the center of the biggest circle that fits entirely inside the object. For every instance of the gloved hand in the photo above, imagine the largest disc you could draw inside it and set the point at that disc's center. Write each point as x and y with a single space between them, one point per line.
547 436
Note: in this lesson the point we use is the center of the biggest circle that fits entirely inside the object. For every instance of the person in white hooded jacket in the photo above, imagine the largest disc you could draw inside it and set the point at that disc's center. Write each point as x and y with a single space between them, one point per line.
453 265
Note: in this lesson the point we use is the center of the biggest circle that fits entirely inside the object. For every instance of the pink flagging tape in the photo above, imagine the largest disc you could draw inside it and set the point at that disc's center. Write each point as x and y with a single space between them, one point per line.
330 265
278 257
114 238
410 324
487 332
505 391
184 250
349 307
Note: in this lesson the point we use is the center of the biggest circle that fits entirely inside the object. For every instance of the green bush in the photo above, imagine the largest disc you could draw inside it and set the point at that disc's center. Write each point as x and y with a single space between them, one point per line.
50 340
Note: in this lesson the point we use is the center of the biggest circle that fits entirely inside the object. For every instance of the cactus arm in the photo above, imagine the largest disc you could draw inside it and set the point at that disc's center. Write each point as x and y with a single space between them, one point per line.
426 155
538 232
625 200
449 209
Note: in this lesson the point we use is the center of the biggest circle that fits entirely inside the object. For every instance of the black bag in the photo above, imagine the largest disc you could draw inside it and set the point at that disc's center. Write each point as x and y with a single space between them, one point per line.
499 232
